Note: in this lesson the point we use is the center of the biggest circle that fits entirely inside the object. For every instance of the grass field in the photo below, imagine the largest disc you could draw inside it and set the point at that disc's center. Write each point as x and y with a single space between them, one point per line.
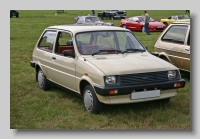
33 108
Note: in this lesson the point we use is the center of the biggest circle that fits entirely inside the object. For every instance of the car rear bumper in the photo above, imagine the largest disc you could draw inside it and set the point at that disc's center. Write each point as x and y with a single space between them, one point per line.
128 89
32 64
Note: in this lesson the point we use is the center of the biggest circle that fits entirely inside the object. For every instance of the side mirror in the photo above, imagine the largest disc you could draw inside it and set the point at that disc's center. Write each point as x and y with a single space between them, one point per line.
146 47
68 53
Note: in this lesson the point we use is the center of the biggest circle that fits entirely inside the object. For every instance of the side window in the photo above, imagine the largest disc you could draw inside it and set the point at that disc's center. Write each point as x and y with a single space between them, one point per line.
130 19
135 19
64 44
188 41
47 41
175 34
80 20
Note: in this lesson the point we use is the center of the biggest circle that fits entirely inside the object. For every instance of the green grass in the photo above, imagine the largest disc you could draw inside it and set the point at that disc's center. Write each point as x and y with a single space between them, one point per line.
33 108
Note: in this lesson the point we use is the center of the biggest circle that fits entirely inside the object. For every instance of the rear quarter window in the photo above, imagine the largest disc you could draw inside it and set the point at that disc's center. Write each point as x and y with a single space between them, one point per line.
47 41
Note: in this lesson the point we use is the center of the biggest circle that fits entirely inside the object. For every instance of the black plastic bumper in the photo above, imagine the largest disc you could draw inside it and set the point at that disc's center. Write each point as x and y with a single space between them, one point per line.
128 89
32 63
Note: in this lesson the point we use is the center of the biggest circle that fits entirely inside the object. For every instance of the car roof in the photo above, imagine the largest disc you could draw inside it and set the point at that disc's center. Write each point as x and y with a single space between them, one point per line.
83 28
182 22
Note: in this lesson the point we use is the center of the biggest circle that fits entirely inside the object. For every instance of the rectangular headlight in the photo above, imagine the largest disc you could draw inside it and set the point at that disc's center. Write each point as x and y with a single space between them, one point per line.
110 79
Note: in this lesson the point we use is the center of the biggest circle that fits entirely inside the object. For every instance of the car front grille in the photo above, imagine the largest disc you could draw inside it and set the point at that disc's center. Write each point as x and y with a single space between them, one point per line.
159 28
144 78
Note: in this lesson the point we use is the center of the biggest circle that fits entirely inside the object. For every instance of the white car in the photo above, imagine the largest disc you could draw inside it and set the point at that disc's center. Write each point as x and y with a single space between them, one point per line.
103 64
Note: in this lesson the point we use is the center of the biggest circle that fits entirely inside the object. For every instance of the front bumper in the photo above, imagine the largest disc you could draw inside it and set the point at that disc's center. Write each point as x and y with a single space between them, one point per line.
128 89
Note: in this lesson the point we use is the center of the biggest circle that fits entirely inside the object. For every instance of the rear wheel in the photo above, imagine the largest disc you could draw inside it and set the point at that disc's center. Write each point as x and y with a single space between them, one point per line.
112 18
42 80
124 26
11 15
90 100
17 15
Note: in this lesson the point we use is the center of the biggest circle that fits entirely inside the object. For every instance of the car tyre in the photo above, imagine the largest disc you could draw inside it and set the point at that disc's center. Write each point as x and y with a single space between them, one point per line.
42 80
124 26
112 18
90 100
164 58
11 16
17 16
143 29
166 24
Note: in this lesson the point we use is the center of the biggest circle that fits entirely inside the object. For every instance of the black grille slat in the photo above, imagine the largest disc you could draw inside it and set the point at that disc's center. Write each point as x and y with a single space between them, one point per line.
144 78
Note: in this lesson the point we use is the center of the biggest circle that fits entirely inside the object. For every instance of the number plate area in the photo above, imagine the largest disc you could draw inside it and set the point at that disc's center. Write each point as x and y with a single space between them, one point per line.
145 94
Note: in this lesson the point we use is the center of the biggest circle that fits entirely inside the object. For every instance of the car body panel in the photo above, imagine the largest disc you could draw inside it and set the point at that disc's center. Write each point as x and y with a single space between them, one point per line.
112 14
178 54
70 72
14 13
176 18
91 20
136 23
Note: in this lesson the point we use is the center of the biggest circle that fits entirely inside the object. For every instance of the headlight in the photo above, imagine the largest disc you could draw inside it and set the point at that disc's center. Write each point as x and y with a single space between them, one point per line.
171 74
110 79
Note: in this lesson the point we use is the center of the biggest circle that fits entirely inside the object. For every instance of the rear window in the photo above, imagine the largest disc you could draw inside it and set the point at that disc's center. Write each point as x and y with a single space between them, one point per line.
175 34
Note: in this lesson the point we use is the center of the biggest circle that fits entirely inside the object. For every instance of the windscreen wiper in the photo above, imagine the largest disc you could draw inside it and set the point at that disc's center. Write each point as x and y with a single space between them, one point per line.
133 50
106 50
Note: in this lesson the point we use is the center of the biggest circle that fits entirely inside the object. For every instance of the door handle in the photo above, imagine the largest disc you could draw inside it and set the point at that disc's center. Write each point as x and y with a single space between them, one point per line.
187 49
54 58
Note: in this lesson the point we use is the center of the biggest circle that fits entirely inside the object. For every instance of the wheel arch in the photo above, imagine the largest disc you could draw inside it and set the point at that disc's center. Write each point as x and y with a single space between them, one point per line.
37 67
164 55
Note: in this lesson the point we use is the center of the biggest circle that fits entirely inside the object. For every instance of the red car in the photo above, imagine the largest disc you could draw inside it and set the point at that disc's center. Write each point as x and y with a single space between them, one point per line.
136 23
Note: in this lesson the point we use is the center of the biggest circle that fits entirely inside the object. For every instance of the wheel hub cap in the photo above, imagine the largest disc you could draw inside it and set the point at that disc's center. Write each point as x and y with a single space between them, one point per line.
40 78
88 100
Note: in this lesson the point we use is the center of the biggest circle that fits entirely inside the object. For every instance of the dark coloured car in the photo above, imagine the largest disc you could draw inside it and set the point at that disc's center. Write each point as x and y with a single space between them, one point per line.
14 13
112 14
91 20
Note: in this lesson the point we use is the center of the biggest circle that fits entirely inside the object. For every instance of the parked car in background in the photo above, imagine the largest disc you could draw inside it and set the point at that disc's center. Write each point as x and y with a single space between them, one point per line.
175 18
103 65
14 13
112 14
91 20
136 23
173 45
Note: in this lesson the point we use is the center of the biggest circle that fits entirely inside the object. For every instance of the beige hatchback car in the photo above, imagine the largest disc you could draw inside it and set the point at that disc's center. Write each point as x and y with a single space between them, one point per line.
102 64
173 45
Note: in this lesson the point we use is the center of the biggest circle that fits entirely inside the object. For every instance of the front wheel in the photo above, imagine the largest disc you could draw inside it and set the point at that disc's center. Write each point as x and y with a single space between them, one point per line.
166 24
42 80
143 29
164 58
90 100
164 101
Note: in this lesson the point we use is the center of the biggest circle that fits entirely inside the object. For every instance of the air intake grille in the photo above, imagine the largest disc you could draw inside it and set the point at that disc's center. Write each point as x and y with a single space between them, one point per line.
144 78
